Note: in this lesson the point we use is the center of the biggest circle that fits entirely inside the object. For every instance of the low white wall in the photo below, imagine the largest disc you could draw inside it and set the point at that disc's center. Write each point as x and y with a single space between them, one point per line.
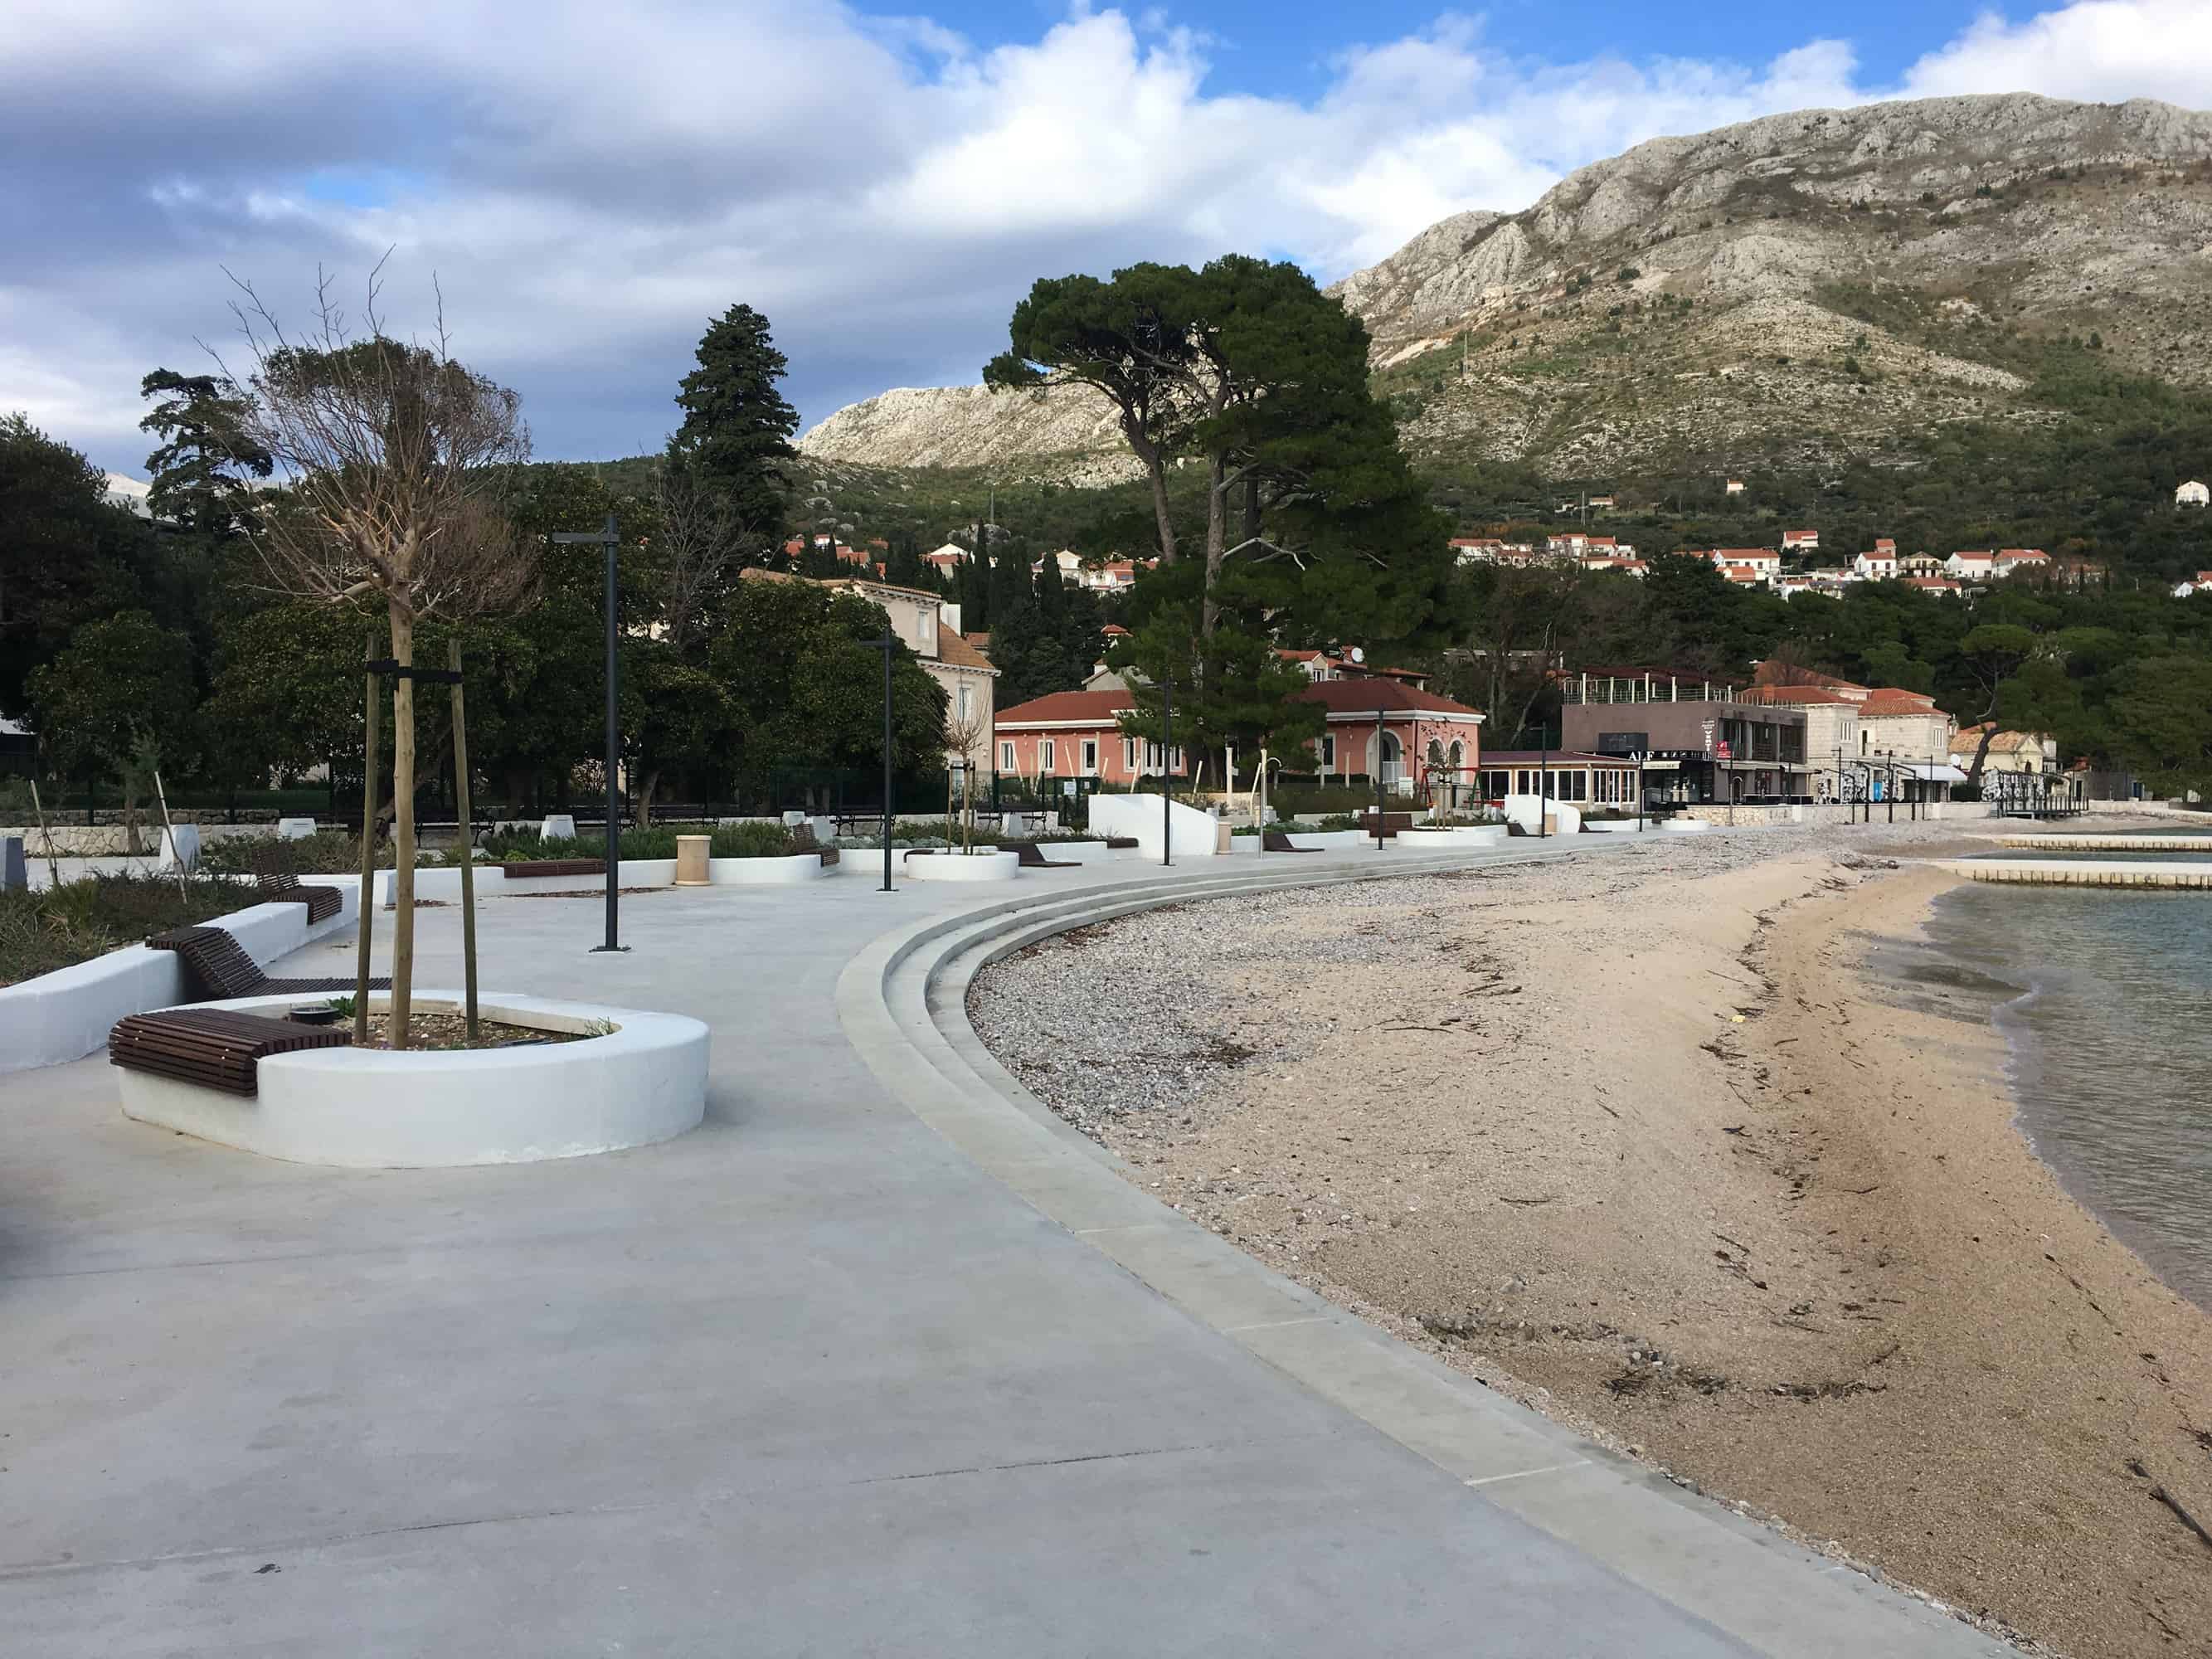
940 866
443 883
766 873
1194 834
67 1014
1523 809
1453 836
369 1109
1616 826
1683 826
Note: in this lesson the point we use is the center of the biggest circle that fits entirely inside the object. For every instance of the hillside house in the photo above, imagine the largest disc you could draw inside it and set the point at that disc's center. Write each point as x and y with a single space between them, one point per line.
2011 561
1600 501
1971 566
1735 486
1933 585
1879 566
1801 541
2192 493
1763 562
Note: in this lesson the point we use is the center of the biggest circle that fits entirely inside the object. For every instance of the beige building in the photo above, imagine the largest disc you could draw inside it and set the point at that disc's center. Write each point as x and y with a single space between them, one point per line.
2028 752
1848 726
929 626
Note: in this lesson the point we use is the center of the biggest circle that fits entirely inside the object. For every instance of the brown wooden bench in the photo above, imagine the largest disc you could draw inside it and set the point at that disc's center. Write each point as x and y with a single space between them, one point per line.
829 856
279 885
217 968
1275 841
216 1048
1029 856
1392 821
556 868
1120 843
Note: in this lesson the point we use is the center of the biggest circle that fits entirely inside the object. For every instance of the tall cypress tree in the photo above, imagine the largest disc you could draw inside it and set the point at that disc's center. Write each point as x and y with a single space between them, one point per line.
737 427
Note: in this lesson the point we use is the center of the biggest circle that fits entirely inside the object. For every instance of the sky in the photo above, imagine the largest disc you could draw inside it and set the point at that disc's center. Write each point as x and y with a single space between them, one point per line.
587 186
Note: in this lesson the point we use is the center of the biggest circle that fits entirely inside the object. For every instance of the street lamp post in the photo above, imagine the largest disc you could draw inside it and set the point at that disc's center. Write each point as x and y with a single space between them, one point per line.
1889 760
1167 761
888 646
1543 783
1378 779
609 539
1639 756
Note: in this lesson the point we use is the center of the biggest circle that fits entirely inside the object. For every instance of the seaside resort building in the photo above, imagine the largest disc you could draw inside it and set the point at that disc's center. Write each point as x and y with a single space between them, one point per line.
1725 746
1817 738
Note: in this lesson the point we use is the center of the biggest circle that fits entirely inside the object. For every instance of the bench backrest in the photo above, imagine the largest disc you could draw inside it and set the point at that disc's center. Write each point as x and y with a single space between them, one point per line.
215 960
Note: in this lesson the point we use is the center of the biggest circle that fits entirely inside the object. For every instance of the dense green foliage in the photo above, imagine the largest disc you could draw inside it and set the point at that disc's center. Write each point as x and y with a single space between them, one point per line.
737 425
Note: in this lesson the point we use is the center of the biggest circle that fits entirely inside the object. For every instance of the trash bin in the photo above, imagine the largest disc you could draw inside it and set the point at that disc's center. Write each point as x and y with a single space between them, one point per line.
691 860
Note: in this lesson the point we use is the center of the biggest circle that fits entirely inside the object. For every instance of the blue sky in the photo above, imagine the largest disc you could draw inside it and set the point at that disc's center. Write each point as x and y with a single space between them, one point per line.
587 186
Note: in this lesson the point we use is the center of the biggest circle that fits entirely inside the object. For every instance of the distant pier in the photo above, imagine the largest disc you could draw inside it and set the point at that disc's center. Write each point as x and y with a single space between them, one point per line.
2110 843
2085 873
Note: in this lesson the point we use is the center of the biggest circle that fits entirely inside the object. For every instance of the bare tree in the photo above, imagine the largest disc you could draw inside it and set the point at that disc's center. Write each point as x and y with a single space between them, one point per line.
963 735
395 461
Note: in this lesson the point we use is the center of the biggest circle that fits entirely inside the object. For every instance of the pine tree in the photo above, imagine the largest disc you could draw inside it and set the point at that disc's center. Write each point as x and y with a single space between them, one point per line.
737 427
200 472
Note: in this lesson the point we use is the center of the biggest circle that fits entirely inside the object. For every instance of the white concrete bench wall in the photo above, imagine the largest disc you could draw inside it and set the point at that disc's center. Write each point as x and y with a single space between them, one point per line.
67 1014
1194 832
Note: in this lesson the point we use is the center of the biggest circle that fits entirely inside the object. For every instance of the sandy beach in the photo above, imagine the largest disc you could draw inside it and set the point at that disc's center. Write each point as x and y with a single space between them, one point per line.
1662 1144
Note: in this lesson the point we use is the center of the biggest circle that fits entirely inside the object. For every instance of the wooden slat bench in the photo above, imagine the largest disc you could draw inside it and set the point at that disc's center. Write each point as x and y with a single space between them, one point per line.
1120 843
1275 841
218 969
1029 856
556 868
214 1047
278 886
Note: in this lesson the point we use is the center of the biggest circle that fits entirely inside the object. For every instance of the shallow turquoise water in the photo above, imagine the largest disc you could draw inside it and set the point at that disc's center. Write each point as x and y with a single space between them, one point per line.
2110 1049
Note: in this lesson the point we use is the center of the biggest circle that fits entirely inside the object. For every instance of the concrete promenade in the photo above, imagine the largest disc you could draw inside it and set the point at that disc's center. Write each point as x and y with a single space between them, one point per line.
874 1362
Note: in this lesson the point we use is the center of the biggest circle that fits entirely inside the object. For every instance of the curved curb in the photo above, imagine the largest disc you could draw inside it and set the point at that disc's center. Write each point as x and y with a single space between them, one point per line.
901 1003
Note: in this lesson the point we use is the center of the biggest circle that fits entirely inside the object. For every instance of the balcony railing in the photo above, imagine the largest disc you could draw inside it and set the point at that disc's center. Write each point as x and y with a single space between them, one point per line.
1641 688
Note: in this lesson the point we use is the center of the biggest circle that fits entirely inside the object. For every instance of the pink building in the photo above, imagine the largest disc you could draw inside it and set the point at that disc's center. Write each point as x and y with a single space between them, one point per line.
1068 734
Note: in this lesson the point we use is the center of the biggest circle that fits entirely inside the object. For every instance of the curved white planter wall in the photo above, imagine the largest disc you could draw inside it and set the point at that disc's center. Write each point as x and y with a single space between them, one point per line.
766 873
368 1109
67 1014
954 867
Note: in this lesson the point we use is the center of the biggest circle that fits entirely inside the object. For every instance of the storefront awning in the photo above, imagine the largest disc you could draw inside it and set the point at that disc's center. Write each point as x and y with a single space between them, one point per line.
1932 773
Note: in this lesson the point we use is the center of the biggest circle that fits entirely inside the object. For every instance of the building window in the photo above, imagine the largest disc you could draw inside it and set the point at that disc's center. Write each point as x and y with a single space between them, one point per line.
928 633
1329 752
1006 758
966 702
1047 758
1129 755
1089 758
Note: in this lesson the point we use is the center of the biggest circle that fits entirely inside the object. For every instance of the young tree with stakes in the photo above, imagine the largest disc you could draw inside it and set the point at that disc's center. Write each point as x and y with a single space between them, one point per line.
395 460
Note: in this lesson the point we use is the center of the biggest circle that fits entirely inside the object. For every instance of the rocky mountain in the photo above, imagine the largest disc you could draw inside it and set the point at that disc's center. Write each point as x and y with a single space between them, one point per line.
1817 287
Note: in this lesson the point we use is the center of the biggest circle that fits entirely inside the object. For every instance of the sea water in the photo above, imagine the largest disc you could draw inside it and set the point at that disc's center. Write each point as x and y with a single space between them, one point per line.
2104 998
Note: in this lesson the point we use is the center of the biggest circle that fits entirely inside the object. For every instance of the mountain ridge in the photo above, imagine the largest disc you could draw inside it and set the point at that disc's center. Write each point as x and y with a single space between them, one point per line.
1817 287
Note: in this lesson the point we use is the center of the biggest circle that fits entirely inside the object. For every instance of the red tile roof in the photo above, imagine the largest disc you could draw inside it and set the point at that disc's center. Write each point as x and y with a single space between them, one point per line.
1364 697
1087 708
1793 693
1892 700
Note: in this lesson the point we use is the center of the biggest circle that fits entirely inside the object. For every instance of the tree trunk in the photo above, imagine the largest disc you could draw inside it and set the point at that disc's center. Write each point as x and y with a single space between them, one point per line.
1156 475
130 843
403 823
370 727
1981 752
645 788
468 846
1217 543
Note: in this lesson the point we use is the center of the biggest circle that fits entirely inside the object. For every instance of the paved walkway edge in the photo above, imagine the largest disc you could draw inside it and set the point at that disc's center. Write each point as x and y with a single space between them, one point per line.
902 1005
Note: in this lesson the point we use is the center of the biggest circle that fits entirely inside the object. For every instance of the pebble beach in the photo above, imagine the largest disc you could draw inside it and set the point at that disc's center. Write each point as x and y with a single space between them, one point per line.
1655 1142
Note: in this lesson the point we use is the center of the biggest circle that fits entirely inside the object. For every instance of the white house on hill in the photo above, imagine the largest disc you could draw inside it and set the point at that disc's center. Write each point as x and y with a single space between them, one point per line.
2192 493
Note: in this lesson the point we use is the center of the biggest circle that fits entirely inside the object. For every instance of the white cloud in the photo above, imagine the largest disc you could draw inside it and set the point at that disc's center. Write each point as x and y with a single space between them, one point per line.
2099 50
590 187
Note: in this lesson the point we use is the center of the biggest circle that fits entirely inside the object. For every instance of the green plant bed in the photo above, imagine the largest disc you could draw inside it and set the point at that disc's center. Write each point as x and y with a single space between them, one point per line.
45 929
325 852
761 840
